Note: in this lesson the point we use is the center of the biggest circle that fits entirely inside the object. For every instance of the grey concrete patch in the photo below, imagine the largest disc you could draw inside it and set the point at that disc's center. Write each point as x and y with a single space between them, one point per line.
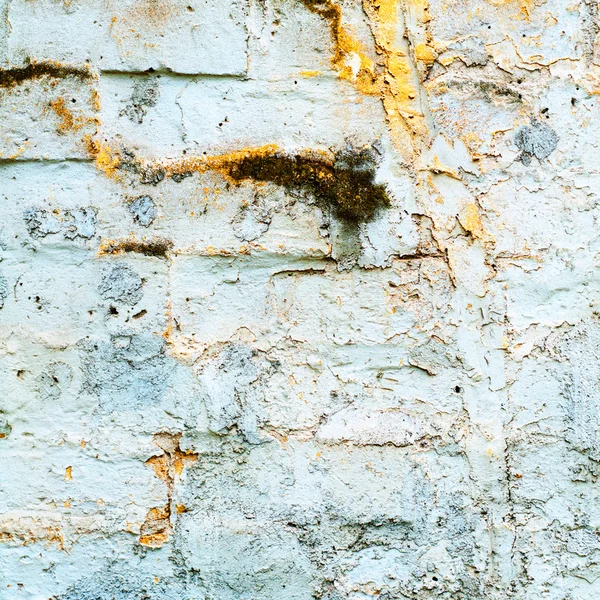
122 284
143 210
538 140
126 372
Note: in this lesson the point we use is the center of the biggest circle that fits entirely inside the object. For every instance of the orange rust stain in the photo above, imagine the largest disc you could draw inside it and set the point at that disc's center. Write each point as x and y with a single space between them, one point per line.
133 22
29 531
152 12
19 151
168 466
156 529
95 100
108 160
171 462
69 474
68 120
221 163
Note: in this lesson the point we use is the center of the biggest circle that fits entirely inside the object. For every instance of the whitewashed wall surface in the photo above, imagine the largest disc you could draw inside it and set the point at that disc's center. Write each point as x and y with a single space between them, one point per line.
299 299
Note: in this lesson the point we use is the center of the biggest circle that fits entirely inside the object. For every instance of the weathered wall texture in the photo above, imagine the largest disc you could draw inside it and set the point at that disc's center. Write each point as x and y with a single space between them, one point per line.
299 299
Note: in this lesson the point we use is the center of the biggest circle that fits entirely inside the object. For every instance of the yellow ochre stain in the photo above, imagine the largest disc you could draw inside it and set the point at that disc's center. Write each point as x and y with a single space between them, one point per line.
394 77
525 6
348 57
310 73
106 159
470 219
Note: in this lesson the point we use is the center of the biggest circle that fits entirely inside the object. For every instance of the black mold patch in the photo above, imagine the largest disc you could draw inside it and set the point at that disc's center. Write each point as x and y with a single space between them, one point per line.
346 185
152 176
12 77
179 177
538 140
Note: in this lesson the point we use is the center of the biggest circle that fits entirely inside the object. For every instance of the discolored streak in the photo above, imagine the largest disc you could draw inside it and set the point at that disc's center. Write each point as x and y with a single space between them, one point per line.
158 247
345 184
36 70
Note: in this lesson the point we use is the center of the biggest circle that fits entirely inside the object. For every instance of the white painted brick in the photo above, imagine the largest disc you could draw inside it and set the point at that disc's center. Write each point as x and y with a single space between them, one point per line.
48 118
186 36
236 378
212 114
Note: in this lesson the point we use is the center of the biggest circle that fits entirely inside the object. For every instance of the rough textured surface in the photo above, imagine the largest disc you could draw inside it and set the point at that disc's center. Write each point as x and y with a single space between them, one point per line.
299 299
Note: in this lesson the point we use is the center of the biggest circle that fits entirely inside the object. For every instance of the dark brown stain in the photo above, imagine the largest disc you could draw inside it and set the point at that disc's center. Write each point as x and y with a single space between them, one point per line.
346 184
159 247
16 76
343 182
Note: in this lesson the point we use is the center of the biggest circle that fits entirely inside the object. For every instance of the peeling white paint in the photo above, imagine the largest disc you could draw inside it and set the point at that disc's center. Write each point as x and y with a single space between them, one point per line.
221 388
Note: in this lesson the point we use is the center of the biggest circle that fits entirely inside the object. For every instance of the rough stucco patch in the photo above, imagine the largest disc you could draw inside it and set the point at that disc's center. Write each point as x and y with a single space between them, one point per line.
143 210
538 140
75 223
126 372
121 283
144 95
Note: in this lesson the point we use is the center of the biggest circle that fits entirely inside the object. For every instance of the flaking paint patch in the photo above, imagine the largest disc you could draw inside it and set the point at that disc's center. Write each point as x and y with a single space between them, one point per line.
168 466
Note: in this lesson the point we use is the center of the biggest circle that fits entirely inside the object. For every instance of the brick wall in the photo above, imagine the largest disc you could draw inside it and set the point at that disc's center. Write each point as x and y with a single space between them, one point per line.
299 299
